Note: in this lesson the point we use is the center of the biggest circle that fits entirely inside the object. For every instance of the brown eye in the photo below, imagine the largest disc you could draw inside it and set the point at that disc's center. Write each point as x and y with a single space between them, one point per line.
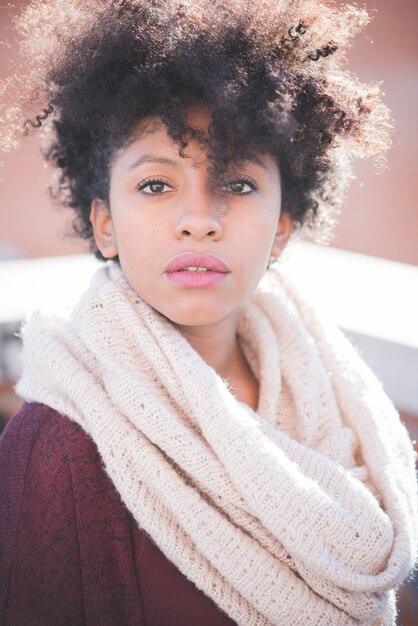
238 187
242 187
153 187
156 187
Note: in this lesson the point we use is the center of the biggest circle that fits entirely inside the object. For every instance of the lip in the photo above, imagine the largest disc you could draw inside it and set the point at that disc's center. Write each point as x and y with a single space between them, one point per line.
193 259
192 280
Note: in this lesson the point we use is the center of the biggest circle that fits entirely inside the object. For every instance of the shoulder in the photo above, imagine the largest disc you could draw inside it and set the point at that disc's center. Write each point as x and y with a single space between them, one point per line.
41 450
61 517
37 511
39 434
46 460
33 421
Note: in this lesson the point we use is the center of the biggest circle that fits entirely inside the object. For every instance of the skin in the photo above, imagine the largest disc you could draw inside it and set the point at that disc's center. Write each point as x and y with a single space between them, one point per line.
148 227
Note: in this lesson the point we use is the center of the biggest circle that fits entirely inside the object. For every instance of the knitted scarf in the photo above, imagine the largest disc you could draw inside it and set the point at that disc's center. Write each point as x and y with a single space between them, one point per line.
302 512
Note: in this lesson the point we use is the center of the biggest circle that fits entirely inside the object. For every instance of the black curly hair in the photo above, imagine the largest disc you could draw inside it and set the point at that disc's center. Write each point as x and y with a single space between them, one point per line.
270 73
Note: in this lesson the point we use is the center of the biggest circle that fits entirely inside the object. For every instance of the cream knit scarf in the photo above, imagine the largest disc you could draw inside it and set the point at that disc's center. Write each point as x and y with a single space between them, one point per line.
302 513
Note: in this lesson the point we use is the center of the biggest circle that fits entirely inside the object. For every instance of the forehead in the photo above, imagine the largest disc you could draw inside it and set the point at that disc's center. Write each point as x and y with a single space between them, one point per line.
150 142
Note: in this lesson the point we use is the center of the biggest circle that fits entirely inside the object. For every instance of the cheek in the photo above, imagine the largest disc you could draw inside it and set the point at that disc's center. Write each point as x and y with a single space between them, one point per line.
258 243
259 233
133 232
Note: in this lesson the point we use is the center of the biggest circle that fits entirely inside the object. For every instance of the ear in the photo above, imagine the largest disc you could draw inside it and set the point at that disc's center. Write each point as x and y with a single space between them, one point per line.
104 234
282 236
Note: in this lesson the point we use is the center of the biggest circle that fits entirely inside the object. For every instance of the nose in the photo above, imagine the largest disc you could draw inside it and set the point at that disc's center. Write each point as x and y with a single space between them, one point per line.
199 221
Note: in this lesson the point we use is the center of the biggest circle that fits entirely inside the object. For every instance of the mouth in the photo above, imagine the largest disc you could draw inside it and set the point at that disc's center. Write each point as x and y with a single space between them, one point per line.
196 269
194 262
191 270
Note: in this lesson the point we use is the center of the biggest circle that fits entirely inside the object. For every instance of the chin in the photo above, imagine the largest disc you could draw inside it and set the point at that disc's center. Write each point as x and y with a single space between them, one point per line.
198 314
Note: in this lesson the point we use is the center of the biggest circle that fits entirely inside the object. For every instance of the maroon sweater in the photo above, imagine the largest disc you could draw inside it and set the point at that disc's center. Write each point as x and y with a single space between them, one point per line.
70 552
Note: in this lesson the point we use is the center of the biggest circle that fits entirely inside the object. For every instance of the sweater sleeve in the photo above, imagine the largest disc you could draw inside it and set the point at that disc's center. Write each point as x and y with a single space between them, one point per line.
40 571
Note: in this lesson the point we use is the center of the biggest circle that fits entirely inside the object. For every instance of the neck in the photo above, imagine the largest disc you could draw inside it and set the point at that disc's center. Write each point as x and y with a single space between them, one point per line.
218 346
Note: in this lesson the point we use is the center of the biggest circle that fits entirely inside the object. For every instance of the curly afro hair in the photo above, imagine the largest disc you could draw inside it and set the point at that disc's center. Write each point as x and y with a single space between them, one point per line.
270 72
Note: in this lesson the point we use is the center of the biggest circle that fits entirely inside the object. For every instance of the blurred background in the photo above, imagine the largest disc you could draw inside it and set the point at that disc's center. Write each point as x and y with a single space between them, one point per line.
380 218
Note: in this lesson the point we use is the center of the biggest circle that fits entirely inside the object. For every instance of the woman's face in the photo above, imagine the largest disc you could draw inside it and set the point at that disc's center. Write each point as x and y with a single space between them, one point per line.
163 206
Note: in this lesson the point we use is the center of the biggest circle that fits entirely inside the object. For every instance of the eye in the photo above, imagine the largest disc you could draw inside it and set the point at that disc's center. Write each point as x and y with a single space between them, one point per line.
242 187
153 186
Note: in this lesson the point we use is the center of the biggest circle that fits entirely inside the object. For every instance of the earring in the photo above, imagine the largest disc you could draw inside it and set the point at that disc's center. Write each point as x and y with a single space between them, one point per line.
272 260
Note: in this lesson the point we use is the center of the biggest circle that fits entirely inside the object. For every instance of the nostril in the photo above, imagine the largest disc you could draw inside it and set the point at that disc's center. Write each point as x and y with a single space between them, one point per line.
188 233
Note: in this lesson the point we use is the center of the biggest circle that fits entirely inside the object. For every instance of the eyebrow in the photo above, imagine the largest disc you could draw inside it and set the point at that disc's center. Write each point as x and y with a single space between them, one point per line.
252 158
148 158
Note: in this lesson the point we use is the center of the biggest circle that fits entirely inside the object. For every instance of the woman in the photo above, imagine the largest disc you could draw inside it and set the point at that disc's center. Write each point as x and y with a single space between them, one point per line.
196 448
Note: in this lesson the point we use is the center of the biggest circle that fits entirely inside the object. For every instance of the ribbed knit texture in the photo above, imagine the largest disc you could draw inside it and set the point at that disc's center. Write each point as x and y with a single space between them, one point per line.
303 512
